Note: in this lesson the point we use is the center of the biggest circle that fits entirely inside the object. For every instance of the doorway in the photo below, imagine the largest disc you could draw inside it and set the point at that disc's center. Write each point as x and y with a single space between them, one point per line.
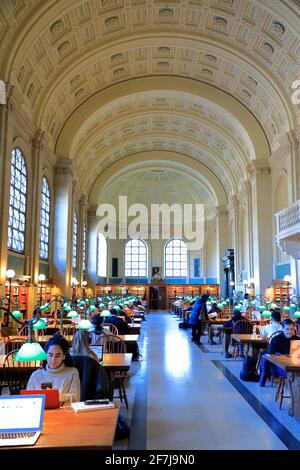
157 297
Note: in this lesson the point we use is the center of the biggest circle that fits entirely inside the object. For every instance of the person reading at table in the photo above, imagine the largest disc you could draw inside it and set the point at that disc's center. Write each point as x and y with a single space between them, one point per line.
275 325
57 371
244 326
212 315
278 344
81 345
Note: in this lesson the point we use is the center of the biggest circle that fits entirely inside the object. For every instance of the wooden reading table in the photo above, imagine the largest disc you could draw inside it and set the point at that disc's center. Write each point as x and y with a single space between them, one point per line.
292 368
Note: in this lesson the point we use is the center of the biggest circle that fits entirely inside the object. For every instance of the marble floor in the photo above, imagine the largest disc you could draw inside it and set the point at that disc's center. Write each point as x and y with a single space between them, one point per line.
186 397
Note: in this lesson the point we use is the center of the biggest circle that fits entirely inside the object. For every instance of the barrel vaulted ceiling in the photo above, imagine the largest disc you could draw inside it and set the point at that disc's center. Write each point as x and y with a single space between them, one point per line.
94 75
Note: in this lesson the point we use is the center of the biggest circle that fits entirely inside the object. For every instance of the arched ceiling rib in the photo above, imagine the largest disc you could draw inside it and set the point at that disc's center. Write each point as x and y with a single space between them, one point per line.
160 159
91 41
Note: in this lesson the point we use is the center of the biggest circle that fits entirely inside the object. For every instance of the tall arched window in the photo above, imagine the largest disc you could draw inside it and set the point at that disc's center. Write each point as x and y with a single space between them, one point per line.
17 202
45 219
175 258
84 248
136 258
102 255
75 241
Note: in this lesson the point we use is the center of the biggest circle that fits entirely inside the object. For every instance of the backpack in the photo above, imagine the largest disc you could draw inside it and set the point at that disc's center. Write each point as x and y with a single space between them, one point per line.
122 429
248 372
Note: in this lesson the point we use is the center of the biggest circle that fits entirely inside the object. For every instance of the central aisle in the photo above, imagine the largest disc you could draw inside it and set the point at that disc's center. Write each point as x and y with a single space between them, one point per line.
183 401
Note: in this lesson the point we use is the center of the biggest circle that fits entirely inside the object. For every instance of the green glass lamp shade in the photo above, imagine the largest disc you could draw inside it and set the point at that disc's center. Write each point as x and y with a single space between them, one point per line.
297 314
73 314
66 305
105 313
273 305
253 302
44 307
261 308
68 309
82 302
220 305
227 301
117 307
237 307
92 308
84 324
102 305
30 352
208 303
39 325
266 314
286 309
17 314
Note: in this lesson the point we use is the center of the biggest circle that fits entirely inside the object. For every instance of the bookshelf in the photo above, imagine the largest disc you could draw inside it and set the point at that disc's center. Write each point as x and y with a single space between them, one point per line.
120 289
282 291
43 293
19 296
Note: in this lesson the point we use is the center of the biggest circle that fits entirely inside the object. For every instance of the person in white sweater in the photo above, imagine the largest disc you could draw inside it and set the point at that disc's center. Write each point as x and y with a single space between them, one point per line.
57 371
275 325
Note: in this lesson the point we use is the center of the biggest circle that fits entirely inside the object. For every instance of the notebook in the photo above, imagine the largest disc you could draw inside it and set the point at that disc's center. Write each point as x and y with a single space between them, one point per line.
295 349
21 419
52 396
79 406
98 350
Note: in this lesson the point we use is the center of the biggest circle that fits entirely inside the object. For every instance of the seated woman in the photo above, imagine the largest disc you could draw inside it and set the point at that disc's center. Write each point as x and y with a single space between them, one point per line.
81 345
58 371
99 332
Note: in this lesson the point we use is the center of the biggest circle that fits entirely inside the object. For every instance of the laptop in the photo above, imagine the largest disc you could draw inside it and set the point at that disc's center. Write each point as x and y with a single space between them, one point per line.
21 419
295 349
98 350
52 396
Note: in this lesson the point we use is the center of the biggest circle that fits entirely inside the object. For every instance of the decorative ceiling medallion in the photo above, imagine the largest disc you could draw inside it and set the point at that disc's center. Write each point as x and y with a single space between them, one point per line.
79 93
278 28
163 65
118 72
211 58
206 72
266 46
116 57
56 27
219 22
112 21
164 50
246 94
166 13
252 81
64 47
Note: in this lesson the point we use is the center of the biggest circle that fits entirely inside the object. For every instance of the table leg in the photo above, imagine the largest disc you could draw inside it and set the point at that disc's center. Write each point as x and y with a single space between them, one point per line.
294 385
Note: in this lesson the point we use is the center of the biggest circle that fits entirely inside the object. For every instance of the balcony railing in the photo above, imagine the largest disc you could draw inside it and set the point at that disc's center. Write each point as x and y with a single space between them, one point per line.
288 221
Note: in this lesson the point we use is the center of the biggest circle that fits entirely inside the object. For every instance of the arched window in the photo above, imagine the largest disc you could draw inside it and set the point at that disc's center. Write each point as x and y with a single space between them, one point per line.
17 202
45 219
84 248
75 240
175 258
136 258
102 255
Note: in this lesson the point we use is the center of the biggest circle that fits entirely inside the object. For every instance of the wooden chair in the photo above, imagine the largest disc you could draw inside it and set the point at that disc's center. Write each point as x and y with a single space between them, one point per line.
113 329
113 345
17 373
279 394
240 327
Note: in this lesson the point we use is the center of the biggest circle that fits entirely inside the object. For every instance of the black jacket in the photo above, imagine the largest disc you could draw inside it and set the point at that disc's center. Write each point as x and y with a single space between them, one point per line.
93 378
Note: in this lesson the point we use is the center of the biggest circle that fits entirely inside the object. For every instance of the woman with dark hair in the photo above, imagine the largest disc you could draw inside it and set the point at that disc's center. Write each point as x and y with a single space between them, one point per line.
57 371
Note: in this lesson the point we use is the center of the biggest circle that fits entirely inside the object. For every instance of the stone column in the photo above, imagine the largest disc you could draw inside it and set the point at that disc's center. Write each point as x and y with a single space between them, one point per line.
37 166
222 244
235 204
6 140
63 220
260 178
81 221
293 162
92 247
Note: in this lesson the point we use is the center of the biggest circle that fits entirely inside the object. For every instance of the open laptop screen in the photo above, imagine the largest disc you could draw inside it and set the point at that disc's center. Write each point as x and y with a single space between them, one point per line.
21 413
98 350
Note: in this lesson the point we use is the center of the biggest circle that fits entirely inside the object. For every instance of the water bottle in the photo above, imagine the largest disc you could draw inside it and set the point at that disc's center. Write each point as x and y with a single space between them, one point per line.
254 332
